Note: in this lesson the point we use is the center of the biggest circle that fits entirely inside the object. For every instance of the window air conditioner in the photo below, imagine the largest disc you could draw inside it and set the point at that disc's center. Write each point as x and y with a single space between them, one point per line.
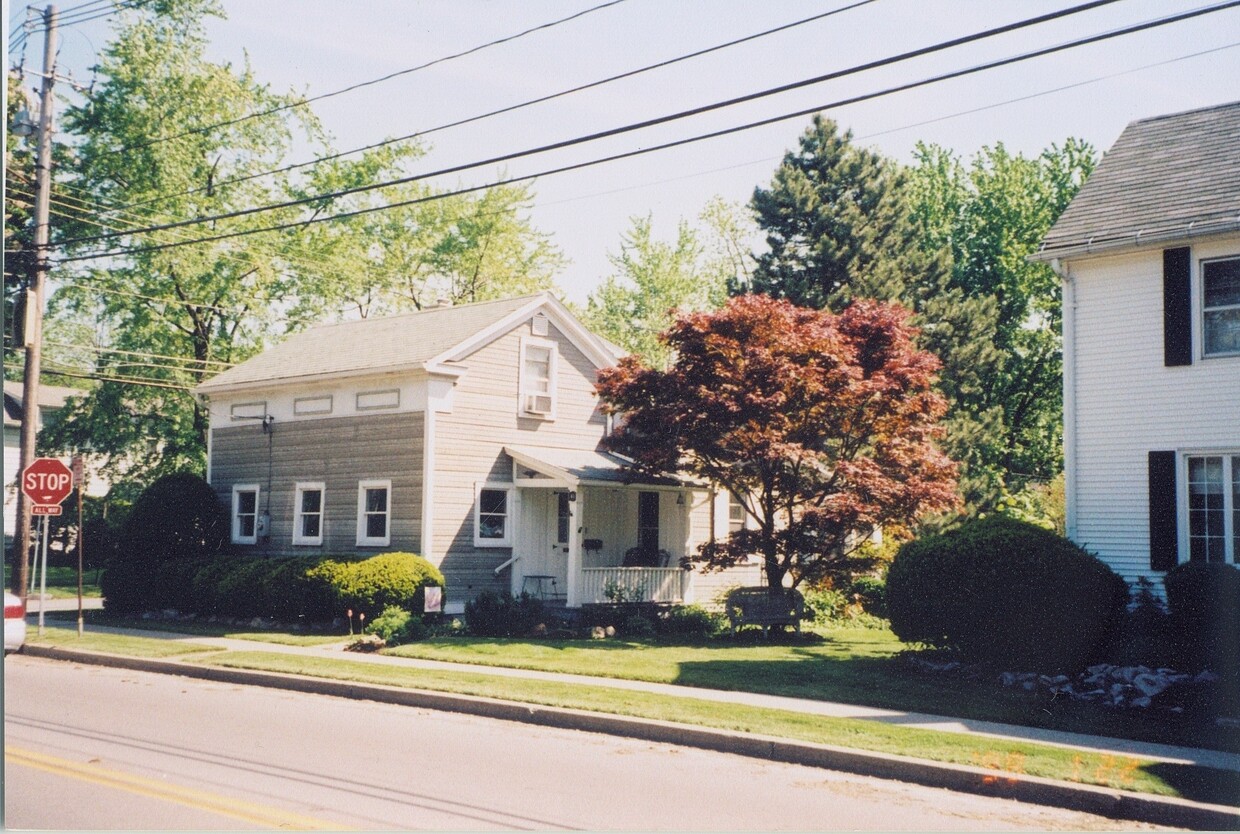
537 404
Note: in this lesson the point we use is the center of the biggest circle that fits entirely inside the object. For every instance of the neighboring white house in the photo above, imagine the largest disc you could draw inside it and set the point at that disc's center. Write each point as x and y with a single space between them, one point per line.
51 399
1149 255
469 435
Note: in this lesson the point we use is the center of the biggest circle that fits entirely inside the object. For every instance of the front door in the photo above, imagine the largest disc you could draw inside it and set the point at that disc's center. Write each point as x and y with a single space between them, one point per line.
546 568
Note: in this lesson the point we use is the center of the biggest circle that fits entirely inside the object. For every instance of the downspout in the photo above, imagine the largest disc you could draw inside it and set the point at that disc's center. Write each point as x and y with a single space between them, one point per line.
1068 286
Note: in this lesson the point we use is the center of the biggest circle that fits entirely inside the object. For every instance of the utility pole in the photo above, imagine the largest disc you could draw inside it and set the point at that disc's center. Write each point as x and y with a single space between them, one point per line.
34 295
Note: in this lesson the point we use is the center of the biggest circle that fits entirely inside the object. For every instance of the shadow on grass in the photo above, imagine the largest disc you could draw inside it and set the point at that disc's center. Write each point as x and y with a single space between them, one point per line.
1199 784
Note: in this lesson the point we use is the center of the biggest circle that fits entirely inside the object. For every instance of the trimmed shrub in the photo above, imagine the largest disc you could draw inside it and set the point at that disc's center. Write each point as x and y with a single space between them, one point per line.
177 518
871 592
1204 602
692 622
396 625
371 585
501 615
1008 594
637 627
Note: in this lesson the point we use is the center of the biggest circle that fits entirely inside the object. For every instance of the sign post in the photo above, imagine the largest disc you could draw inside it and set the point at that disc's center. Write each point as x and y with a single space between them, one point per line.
79 479
46 482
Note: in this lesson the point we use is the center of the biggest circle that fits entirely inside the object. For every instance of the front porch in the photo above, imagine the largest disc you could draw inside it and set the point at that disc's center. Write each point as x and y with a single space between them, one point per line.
587 532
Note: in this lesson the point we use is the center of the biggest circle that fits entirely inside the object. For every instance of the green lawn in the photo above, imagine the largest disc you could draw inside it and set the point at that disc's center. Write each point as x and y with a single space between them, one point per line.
62 582
1015 757
855 666
121 644
205 629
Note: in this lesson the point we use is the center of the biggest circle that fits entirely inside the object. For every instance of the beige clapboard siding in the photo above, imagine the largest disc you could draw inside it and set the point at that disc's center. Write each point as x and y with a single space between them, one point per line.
469 442
339 453
1128 403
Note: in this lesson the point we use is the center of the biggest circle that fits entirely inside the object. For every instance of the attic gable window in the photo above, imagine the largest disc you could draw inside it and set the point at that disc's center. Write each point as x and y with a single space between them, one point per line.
539 359
1220 307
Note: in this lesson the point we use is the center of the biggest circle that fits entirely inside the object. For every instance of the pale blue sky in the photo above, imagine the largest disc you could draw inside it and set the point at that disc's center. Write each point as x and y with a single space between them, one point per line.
316 46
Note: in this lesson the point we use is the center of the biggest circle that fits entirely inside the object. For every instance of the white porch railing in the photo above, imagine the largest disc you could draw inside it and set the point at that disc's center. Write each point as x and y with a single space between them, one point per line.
652 584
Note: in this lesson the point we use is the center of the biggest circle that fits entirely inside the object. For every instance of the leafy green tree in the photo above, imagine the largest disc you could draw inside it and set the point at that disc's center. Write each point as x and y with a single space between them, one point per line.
18 224
991 214
653 278
413 248
168 317
838 227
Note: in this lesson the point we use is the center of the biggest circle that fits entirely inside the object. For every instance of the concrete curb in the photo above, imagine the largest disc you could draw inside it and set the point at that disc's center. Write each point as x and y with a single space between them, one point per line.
1107 802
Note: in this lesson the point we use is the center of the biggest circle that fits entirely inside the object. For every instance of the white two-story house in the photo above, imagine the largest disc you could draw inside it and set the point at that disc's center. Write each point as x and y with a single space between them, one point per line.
1149 256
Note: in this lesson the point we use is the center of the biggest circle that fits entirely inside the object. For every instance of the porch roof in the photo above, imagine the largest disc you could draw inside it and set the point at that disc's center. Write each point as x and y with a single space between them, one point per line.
578 467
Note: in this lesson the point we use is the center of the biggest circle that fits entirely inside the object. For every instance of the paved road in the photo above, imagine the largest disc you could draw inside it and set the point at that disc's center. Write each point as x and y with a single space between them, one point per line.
103 748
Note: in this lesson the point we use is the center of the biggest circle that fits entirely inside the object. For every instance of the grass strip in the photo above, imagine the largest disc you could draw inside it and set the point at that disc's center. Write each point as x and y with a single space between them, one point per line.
204 629
122 644
1015 757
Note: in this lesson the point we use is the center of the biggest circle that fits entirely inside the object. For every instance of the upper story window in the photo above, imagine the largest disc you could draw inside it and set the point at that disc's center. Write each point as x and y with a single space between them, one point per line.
245 514
1220 307
308 514
373 513
537 383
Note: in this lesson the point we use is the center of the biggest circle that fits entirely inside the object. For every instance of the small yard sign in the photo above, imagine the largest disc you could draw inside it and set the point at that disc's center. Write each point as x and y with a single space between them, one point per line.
434 600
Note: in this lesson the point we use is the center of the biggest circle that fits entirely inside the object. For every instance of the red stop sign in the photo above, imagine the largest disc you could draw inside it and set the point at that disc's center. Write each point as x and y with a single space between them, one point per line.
47 481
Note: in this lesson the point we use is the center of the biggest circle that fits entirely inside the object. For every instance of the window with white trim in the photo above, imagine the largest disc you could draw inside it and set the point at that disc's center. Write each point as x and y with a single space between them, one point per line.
1214 507
1220 307
736 514
245 514
374 510
537 383
308 513
493 516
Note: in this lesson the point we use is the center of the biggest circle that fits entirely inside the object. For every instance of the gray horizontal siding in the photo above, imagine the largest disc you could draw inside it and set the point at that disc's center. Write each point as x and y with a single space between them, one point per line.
338 452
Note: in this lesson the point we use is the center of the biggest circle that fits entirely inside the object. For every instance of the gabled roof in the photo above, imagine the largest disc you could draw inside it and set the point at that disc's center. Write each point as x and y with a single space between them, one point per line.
1165 179
423 340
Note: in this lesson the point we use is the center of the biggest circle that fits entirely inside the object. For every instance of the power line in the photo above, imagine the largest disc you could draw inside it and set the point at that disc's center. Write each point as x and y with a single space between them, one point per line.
628 154
303 102
510 108
617 131
120 380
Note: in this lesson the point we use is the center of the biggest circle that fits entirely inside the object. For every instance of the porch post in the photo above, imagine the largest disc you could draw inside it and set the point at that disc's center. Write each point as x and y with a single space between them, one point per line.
575 516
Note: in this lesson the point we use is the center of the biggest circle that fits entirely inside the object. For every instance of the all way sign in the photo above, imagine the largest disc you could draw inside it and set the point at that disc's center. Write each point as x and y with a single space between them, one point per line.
46 482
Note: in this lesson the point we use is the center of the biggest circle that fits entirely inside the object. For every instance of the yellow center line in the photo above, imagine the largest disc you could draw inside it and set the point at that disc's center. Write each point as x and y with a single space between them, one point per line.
250 812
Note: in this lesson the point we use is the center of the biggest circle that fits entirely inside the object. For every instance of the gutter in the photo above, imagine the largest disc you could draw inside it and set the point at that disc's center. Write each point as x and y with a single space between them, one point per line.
1136 240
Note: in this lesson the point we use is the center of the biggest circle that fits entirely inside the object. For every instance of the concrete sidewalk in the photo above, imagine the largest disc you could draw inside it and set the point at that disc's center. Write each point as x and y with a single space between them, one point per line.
1118 747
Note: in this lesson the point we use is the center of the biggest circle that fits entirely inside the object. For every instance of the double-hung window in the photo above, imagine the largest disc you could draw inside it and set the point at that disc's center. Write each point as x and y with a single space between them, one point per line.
736 514
1220 307
1214 508
537 383
245 514
493 515
308 514
374 509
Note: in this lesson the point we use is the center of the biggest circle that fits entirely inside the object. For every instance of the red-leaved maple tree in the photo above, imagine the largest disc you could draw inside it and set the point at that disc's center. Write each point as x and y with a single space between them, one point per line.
822 425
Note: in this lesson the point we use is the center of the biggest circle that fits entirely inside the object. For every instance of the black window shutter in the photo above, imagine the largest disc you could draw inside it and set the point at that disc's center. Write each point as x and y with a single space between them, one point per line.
1177 308
1164 539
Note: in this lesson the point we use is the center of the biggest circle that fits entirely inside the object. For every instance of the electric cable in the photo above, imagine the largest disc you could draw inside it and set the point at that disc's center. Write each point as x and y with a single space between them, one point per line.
303 102
511 108
646 123
615 157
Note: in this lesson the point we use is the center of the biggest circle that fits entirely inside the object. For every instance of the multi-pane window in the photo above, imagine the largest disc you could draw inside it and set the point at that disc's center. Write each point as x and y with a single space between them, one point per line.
245 514
1214 508
373 513
538 378
648 521
493 517
1220 307
308 514
736 514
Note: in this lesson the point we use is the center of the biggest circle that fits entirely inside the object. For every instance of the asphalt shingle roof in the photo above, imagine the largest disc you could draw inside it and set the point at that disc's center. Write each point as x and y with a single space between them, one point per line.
1165 178
368 345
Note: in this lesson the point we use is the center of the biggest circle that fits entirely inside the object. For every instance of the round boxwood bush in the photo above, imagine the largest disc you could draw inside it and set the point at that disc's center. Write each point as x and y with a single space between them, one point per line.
1007 594
1204 603
369 586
